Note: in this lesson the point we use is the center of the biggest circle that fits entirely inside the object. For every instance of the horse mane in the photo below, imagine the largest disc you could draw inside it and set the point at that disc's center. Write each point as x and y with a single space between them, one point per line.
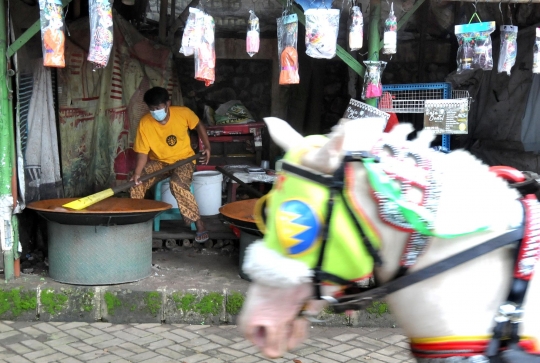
473 197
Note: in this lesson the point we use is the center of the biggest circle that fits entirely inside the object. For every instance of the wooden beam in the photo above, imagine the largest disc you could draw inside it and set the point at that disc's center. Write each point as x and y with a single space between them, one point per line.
164 5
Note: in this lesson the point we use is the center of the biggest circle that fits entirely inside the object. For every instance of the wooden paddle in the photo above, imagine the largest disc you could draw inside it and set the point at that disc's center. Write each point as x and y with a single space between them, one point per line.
94 198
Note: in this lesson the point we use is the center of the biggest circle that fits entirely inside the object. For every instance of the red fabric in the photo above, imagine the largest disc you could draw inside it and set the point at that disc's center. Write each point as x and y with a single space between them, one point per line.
392 121
460 348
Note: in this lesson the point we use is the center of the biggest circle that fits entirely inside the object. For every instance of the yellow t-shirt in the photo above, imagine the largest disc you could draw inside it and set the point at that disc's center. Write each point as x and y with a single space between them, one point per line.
170 142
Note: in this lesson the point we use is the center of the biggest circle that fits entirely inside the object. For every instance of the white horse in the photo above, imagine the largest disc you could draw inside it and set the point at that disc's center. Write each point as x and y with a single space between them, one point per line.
472 205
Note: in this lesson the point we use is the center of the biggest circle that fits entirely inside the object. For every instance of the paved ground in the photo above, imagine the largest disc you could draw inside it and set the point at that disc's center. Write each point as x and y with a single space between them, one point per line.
40 342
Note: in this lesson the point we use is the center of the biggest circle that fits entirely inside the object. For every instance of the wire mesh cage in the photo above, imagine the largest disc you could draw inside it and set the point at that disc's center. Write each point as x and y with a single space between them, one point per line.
409 98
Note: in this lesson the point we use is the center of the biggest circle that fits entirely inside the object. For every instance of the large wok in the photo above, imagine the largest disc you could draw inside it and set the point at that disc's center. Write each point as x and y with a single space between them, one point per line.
108 212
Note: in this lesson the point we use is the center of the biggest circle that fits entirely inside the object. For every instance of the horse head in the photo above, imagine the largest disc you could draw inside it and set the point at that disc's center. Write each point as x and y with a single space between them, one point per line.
358 203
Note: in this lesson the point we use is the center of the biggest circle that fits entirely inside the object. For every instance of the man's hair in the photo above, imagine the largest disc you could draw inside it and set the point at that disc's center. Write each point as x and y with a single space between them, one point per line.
155 96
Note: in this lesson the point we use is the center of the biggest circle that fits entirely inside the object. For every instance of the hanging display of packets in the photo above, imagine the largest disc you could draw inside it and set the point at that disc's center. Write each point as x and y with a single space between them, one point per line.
101 32
372 79
356 29
322 26
253 34
390 33
205 54
287 48
507 56
52 33
474 50
536 53
192 36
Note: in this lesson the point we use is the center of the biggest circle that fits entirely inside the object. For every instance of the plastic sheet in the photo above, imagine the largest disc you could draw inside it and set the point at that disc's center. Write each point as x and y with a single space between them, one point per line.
536 53
252 37
193 32
322 27
390 33
475 46
507 55
372 82
52 33
287 44
356 29
205 54
101 32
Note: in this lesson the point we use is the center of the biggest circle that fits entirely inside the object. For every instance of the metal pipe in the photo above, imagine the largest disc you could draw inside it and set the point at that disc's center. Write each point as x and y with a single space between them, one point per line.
373 41
6 143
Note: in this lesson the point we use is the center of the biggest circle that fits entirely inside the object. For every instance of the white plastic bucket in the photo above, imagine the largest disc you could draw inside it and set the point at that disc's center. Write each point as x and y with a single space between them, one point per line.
166 195
207 191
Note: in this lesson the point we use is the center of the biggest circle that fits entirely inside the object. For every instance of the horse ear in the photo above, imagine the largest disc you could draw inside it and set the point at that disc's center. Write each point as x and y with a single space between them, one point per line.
424 138
327 158
282 133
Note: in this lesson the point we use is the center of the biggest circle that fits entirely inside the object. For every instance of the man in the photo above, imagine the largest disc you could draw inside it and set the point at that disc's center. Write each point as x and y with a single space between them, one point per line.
162 139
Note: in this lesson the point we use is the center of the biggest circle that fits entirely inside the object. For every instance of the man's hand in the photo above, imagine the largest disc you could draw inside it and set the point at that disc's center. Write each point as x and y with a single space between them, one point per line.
205 158
136 178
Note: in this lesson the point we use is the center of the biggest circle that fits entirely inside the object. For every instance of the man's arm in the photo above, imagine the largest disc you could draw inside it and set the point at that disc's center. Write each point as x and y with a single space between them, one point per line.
141 162
201 130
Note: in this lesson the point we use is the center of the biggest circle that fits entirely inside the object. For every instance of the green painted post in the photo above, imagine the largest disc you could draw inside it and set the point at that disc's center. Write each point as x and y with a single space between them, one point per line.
6 143
373 41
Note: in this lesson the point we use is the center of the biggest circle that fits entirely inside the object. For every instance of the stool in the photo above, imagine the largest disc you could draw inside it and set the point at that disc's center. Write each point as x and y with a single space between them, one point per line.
169 214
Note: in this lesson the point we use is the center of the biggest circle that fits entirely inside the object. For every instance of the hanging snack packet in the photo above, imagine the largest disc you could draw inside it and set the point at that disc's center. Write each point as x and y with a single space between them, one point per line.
252 38
101 32
474 50
288 33
322 27
52 33
390 33
356 29
372 79
536 53
507 55
192 32
205 53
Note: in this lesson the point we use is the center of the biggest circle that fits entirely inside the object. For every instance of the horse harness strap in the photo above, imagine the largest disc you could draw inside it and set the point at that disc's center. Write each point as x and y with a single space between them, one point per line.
336 184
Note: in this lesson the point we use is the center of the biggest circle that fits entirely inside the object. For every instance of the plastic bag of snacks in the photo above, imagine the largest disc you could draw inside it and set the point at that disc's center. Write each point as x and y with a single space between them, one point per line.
474 50
192 36
52 33
372 79
390 33
205 54
101 32
322 27
252 38
287 45
507 56
536 53
356 29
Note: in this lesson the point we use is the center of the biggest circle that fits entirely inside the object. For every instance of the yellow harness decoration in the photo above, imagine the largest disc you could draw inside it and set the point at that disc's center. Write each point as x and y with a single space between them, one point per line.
296 209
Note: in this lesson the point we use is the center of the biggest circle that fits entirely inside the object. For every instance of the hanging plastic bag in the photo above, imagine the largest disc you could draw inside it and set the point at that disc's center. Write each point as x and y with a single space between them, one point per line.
390 33
536 53
507 55
52 33
356 29
192 36
101 32
205 54
288 56
372 79
474 50
322 27
252 38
